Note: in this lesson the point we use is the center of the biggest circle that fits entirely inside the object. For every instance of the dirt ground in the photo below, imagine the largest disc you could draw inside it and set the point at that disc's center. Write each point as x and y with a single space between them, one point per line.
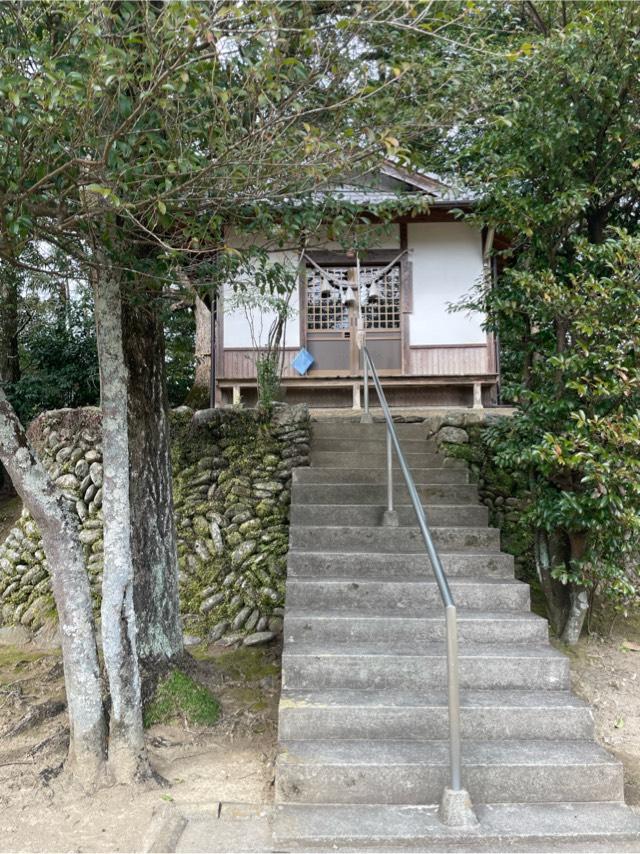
604 671
40 810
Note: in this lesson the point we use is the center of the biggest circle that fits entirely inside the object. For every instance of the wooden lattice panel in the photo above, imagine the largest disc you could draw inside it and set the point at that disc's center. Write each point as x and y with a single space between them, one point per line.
328 313
384 313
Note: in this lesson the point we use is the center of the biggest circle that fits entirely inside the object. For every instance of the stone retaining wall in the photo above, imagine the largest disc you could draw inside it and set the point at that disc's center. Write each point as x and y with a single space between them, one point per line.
461 435
232 477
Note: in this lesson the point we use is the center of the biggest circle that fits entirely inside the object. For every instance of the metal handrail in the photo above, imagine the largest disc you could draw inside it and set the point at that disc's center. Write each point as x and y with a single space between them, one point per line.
453 686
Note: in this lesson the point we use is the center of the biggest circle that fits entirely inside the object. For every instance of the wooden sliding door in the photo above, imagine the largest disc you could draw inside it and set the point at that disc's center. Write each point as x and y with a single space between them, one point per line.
332 303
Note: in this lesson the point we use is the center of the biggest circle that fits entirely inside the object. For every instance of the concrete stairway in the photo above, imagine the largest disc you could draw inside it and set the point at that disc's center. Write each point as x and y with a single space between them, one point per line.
363 713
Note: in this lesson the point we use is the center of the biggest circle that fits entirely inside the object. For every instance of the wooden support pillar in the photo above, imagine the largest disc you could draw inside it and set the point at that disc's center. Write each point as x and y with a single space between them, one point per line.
237 396
477 395
356 396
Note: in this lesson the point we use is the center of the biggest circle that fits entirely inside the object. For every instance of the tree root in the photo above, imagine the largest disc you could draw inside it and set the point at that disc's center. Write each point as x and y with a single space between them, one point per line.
36 715
59 739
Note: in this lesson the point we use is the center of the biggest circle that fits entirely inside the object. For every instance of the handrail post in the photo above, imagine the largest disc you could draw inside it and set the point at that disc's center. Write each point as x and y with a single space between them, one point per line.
456 809
390 518
366 387
366 415
453 690
389 473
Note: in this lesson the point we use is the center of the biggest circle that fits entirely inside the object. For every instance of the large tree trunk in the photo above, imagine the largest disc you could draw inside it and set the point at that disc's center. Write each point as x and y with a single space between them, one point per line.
59 530
9 358
153 534
579 600
127 756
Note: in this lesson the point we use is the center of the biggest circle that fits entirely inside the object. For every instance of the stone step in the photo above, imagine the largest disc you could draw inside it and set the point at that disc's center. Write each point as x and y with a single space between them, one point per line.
357 493
378 459
324 667
407 597
317 626
469 515
544 827
423 476
365 444
421 715
363 710
346 429
410 772
346 538
359 565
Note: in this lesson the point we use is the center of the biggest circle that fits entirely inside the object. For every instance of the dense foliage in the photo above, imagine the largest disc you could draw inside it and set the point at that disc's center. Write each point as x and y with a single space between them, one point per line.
145 129
577 430
57 356
59 363
554 160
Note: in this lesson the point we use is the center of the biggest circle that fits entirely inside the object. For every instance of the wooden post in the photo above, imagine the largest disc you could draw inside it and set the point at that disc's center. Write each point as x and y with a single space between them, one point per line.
237 397
477 395
356 396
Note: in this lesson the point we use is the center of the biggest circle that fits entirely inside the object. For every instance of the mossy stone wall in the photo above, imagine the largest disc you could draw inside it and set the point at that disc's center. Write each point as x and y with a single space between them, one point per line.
462 435
232 484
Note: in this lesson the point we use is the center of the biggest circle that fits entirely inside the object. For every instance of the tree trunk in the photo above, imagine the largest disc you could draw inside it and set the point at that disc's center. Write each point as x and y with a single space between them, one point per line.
596 224
59 530
578 597
127 756
555 593
9 358
201 381
577 612
153 533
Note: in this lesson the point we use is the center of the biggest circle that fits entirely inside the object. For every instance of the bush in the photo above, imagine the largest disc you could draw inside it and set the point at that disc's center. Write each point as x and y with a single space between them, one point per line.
268 375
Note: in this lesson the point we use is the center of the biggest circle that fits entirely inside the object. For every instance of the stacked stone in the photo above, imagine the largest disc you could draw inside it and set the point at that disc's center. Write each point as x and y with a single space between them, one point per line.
232 481
232 484
232 503
25 588
505 494
69 446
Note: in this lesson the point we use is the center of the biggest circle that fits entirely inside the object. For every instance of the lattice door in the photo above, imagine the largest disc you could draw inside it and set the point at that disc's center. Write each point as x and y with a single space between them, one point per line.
331 323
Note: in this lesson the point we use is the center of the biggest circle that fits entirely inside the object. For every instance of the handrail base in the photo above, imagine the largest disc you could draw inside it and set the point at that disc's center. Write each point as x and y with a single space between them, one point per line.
390 519
456 809
366 418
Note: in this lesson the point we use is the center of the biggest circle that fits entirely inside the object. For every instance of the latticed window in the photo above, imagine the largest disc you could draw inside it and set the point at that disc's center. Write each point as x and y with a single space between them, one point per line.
327 312
383 312
379 297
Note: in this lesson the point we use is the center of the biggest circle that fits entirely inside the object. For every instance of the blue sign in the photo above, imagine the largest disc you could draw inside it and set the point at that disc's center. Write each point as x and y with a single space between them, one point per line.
303 361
